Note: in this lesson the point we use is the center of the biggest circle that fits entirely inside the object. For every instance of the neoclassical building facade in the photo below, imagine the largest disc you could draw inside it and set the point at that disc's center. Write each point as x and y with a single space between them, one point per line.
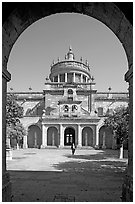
69 109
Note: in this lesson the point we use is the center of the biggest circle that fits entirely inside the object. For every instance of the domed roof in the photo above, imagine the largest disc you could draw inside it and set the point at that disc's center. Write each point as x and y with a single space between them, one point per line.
70 64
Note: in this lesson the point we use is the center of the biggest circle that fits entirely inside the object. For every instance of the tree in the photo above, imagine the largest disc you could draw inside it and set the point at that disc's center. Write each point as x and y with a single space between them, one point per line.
13 110
16 132
118 121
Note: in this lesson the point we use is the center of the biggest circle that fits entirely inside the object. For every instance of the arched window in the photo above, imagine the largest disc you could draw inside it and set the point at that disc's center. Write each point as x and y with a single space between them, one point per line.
100 111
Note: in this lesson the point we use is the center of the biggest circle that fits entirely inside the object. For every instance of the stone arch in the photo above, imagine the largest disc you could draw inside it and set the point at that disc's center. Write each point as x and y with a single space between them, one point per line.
87 136
107 135
19 16
52 136
34 138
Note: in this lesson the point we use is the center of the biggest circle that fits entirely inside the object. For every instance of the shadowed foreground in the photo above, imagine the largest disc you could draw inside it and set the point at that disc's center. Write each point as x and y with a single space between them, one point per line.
88 176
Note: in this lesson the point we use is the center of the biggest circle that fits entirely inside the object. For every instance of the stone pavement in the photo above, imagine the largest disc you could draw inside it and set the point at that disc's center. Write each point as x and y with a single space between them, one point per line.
53 175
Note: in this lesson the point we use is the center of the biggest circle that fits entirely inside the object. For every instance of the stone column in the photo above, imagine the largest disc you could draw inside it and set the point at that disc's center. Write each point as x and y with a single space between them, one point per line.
127 188
25 145
65 77
6 185
61 136
58 78
74 77
81 78
104 146
44 136
97 138
79 136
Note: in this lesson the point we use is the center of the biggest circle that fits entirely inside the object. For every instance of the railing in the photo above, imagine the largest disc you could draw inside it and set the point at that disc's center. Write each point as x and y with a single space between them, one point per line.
27 95
60 85
111 95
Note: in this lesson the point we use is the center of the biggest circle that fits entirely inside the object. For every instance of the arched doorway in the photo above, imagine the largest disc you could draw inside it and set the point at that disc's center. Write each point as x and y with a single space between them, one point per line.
18 16
87 136
34 137
105 138
69 136
52 137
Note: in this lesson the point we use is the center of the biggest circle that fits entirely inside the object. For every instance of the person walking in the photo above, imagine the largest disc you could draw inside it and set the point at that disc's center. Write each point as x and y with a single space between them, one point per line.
73 148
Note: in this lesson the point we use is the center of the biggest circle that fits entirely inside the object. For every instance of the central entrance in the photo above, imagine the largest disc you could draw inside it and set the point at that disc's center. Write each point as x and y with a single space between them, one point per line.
69 136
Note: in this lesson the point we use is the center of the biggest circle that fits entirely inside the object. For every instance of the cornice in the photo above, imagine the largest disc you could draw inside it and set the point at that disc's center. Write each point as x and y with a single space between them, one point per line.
74 120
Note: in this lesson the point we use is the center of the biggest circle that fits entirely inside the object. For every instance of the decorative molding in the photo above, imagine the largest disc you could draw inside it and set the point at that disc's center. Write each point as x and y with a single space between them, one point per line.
6 74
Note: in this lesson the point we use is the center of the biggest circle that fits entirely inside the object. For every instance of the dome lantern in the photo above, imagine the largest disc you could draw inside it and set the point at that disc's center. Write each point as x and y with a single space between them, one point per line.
70 54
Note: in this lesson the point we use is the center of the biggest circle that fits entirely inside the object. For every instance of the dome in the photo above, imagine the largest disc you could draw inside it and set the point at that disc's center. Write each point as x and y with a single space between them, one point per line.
70 70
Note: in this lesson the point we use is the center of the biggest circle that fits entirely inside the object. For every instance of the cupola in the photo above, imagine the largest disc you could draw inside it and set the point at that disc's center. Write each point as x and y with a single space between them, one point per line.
70 54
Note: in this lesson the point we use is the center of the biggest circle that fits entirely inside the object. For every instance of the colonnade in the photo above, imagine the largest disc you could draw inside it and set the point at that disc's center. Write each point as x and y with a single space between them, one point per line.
61 131
78 136
74 78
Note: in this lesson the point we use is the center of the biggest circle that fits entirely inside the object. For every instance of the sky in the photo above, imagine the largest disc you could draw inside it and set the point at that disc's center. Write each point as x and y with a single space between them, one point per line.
50 38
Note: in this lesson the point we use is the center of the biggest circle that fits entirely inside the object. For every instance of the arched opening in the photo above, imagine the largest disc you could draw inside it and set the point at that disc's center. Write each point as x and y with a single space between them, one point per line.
87 136
34 137
52 137
69 136
105 138
18 18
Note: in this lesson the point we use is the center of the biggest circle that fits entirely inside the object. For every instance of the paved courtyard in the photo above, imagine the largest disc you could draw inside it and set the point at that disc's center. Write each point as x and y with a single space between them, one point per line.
54 175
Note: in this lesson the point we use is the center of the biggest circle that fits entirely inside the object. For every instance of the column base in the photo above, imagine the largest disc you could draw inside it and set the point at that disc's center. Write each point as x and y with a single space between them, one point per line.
6 188
96 146
79 146
61 146
43 146
25 146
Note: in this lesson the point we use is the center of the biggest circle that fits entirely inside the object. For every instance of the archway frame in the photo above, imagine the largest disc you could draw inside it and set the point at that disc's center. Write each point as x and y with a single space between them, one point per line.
33 124
49 128
28 128
75 133
27 13
92 130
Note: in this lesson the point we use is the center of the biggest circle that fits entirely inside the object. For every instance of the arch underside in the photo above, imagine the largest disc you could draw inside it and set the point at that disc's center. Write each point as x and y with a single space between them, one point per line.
25 14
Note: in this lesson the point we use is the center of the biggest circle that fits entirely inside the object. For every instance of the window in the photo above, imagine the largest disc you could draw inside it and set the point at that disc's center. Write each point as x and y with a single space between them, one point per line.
62 78
70 98
70 77
70 91
100 111
56 79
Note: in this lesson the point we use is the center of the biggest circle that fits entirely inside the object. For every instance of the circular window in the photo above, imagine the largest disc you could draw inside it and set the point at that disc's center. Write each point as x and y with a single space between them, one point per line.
70 91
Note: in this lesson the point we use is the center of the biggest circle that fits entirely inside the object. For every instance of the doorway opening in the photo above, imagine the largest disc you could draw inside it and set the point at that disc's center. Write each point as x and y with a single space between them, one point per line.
69 136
